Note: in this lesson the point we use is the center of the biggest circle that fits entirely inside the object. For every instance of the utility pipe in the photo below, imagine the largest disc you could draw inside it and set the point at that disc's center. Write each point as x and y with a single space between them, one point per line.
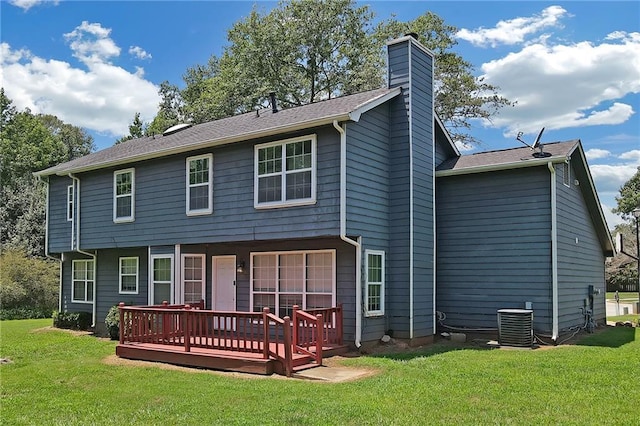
554 254
343 229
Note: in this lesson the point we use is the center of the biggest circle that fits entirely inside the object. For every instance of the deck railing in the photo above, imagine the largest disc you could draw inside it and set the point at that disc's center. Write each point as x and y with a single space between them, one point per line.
255 332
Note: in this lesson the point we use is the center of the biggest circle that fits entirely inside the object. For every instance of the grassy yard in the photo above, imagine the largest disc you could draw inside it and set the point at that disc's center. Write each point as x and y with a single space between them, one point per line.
59 378
630 296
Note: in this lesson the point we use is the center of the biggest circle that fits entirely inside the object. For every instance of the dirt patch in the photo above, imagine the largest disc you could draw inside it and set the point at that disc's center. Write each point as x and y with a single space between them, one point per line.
51 328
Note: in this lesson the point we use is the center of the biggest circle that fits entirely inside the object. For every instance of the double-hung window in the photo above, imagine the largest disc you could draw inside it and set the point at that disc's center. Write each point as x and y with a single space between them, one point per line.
83 280
124 195
285 173
128 275
374 297
281 280
70 202
193 274
161 279
199 185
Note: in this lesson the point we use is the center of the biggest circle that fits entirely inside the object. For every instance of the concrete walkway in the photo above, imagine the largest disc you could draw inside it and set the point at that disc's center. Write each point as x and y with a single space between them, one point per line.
333 374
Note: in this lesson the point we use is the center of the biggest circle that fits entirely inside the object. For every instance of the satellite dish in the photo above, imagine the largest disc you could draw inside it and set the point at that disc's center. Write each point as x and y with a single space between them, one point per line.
537 142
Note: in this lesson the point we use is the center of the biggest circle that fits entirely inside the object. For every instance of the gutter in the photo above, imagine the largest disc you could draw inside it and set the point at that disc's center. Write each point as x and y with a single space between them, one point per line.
503 166
554 254
94 256
343 230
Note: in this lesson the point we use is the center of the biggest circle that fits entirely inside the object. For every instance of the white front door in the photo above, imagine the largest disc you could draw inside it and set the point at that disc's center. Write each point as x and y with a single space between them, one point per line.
224 289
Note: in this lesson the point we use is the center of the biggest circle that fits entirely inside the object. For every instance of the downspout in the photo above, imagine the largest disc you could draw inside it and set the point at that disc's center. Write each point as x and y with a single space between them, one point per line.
343 230
76 217
46 242
554 254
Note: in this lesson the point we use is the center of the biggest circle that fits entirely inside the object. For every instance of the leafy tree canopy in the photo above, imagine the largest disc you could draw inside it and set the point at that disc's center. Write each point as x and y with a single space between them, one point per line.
629 197
29 143
311 50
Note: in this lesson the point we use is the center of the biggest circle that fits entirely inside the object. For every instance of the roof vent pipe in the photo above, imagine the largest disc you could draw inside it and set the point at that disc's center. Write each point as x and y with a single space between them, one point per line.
274 104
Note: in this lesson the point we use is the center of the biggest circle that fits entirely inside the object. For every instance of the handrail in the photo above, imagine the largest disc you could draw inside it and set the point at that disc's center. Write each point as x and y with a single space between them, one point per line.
285 325
307 333
332 320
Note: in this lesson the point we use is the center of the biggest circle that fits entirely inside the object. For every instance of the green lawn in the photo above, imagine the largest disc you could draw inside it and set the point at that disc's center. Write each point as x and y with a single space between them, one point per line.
59 378
630 296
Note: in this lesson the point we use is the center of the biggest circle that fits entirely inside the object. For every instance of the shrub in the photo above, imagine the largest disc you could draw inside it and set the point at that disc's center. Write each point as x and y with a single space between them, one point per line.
24 313
112 321
28 282
72 320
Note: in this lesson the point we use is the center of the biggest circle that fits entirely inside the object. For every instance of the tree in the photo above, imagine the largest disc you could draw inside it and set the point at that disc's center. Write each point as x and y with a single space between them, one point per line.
29 143
310 50
136 129
170 110
629 198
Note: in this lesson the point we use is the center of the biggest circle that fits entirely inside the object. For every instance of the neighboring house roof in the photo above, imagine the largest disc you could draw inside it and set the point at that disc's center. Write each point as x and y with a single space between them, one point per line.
229 130
515 158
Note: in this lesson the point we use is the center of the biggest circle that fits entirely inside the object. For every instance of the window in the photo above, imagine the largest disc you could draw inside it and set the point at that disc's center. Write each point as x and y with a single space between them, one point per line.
70 202
128 275
193 274
566 174
374 289
285 173
199 184
83 280
161 279
281 280
123 195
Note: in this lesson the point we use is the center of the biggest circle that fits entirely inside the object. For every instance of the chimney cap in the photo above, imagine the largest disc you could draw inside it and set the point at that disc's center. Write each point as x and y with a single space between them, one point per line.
412 34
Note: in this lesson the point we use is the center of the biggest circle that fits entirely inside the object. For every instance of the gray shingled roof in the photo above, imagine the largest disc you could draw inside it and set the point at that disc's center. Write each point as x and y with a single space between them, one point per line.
506 158
228 130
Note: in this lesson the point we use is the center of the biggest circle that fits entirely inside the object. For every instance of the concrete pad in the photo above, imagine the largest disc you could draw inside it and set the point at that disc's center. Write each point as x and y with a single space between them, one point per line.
333 374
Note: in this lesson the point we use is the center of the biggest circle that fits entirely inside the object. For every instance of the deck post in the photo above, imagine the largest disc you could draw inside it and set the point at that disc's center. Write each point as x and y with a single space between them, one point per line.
187 328
265 327
339 324
296 324
165 323
286 337
319 338
120 306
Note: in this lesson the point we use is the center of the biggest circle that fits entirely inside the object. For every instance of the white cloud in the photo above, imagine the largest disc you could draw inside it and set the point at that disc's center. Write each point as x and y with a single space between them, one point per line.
514 31
595 153
564 86
139 52
610 177
102 97
633 155
28 4
612 218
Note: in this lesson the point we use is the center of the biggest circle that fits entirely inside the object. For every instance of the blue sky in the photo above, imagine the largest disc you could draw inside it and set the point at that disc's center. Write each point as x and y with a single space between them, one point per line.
572 67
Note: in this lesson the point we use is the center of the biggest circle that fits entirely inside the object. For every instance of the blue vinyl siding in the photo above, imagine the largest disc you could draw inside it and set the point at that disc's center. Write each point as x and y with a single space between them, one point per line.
494 246
580 258
411 140
160 203
59 227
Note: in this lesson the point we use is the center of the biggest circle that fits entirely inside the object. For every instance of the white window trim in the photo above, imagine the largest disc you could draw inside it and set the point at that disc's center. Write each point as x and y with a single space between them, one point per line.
379 312
204 274
120 275
283 202
304 293
209 209
131 217
70 203
87 283
151 276
566 174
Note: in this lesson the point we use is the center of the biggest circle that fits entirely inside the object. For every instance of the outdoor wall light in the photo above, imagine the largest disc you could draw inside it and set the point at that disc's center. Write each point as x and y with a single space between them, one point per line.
240 267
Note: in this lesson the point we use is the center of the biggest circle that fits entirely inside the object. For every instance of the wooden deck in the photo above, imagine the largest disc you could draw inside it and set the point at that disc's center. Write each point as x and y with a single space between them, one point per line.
249 342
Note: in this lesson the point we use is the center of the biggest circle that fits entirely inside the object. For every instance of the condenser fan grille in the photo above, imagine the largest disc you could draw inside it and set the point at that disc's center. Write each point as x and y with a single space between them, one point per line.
515 327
